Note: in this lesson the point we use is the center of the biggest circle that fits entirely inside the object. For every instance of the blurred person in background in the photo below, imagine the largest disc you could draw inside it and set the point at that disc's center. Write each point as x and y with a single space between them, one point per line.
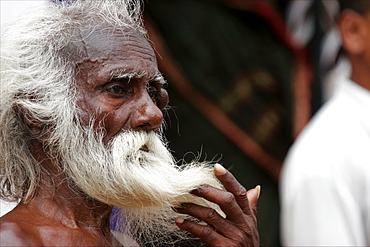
325 184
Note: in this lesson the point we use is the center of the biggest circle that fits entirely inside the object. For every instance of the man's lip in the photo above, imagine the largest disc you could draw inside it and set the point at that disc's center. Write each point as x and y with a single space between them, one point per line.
144 148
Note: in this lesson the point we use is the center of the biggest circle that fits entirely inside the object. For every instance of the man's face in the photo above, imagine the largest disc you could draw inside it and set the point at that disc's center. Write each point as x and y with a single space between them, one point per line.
118 83
117 154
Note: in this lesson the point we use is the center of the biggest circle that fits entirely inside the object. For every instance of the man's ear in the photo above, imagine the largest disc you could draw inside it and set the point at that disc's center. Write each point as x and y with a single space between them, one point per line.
353 30
33 125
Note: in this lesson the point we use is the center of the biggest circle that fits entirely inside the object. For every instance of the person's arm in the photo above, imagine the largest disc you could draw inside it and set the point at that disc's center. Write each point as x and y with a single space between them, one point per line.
239 228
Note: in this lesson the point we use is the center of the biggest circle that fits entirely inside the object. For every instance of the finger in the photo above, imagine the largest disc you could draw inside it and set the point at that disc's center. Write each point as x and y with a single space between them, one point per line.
224 199
206 233
232 185
208 215
253 195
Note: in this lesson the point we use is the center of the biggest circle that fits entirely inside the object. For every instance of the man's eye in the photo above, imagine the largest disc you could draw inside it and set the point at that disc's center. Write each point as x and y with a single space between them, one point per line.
153 92
116 90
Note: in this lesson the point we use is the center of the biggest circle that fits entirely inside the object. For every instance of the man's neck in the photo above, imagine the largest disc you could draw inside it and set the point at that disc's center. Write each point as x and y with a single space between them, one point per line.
360 74
60 198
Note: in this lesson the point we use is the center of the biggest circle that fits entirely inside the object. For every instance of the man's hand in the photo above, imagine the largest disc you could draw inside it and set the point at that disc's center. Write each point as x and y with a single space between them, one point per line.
239 228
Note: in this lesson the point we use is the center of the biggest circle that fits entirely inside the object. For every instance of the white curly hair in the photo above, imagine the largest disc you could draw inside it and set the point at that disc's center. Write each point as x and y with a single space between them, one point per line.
37 80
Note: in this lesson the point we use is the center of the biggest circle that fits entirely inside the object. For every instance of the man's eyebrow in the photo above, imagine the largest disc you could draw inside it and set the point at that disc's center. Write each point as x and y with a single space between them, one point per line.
159 79
123 74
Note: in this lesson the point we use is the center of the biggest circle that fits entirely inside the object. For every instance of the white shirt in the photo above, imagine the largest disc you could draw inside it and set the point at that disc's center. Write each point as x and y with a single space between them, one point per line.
325 184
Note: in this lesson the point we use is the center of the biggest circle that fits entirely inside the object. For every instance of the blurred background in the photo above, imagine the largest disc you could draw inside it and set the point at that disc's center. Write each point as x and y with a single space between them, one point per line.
244 77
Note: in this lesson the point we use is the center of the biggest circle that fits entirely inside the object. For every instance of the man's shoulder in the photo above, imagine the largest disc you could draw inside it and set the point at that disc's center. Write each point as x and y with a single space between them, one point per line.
332 129
15 234
322 145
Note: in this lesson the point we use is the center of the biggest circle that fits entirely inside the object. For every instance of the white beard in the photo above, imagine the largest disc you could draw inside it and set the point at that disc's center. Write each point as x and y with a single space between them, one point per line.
145 185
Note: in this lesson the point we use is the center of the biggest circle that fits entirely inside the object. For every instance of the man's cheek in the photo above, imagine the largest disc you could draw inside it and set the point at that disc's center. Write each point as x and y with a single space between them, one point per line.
162 102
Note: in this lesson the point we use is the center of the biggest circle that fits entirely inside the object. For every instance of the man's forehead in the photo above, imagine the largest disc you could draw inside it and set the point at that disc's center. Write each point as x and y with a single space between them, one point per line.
97 44
103 53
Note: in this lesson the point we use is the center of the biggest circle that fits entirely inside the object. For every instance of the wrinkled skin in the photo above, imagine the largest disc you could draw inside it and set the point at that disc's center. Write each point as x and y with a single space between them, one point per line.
120 104
239 228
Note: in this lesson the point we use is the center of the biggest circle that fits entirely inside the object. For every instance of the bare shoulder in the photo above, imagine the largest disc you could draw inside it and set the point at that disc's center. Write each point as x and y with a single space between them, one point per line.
15 234
11 234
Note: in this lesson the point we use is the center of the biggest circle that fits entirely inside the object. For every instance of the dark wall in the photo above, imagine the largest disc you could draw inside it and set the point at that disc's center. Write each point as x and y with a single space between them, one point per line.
234 60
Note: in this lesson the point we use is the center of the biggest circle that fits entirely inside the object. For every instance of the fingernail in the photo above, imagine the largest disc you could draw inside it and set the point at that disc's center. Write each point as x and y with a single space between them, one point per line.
179 220
258 188
195 191
176 209
181 206
219 169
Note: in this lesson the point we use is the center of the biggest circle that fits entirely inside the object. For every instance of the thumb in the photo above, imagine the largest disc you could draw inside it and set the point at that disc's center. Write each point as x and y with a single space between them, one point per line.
253 195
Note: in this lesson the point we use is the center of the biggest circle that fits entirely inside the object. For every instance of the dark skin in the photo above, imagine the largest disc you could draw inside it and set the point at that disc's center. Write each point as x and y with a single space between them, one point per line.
355 33
113 88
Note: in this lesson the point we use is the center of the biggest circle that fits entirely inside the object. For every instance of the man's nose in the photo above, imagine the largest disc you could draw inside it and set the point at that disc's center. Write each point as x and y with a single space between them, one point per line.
146 116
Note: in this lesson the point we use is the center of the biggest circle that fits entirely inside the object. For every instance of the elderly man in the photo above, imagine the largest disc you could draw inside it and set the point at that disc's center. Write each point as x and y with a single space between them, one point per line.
81 117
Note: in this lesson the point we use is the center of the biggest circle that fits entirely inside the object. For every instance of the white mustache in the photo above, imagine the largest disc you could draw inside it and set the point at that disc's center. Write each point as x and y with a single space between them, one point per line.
146 184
